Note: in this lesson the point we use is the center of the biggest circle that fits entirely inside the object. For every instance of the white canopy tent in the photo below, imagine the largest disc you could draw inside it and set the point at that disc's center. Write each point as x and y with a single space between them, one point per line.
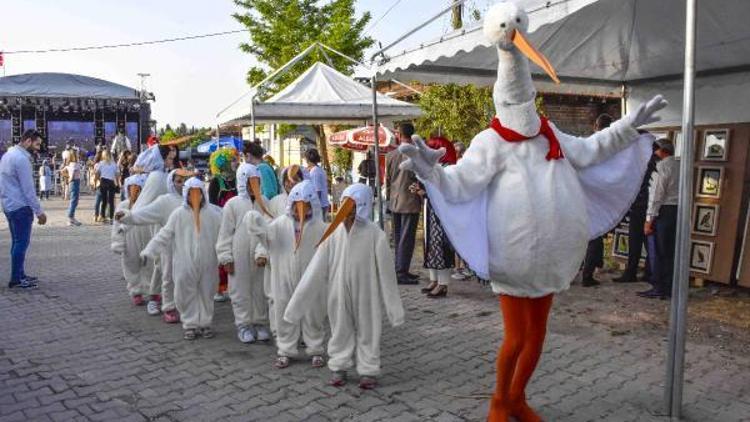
323 95
642 47
601 46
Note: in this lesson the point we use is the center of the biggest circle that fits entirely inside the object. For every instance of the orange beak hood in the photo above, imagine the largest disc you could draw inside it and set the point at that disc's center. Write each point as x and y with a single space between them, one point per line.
192 193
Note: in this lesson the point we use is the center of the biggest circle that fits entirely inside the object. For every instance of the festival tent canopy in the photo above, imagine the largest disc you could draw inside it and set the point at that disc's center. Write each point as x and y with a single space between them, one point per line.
599 46
224 142
322 95
363 138
61 85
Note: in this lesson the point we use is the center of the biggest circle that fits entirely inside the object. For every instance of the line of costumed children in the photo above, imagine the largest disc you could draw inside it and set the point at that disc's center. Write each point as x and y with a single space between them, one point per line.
288 270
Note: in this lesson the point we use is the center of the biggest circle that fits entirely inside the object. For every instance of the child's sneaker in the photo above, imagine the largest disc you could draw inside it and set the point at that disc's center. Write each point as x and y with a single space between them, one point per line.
263 334
138 300
153 308
190 334
367 383
206 332
281 362
245 334
171 316
318 361
338 379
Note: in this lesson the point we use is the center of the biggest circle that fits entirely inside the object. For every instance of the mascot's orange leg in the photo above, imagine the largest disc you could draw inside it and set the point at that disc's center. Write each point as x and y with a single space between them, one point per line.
525 326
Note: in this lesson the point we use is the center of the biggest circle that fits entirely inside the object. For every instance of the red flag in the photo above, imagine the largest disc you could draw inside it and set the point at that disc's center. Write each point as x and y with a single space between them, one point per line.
1 59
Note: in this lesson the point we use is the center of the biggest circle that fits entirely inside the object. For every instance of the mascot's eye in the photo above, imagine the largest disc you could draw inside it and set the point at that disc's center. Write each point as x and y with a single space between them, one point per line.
518 20
502 25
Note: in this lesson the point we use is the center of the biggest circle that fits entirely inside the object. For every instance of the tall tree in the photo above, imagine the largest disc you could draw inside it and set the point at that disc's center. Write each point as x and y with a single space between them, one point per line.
281 29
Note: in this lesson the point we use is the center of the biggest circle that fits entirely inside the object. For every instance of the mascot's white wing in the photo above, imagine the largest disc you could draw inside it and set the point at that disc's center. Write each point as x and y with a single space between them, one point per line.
612 185
465 224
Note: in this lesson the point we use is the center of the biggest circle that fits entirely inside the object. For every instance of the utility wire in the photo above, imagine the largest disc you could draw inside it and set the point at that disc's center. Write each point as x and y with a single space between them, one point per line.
133 44
374 24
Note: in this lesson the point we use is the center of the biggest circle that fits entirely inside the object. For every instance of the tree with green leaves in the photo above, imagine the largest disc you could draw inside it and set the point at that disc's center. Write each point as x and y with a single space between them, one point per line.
458 112
281 29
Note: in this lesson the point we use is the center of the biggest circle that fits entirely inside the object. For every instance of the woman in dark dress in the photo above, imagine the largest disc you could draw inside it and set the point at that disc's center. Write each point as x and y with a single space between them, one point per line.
439 255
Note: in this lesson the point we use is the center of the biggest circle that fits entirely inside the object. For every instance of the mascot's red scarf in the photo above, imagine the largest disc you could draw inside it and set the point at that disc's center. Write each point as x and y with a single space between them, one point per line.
509 135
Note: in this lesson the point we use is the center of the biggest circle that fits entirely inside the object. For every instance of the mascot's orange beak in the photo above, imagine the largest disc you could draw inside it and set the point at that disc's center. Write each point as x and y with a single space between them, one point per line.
195 198
254 183
301 210
133 192
533 54
348 206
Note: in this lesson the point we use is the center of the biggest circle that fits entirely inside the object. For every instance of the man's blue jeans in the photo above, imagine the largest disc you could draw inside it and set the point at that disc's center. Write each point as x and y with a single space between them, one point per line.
75 191
20 222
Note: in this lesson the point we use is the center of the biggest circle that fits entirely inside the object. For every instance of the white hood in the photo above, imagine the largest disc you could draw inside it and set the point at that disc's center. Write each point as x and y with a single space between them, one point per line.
136 179
193 182
244 172
362 196
150 159
170 183
304 191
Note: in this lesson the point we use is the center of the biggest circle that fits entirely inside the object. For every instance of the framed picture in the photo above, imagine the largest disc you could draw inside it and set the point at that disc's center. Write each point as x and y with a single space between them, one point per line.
620 246
701 256
677 140
705 219
709 182
715 145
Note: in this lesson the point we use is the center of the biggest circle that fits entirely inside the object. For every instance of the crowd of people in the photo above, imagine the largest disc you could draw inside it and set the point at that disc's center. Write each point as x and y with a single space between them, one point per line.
260 237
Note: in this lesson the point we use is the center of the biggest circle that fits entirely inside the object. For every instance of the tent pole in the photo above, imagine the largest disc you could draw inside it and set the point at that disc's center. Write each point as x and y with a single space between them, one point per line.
252 119
680 285
376 147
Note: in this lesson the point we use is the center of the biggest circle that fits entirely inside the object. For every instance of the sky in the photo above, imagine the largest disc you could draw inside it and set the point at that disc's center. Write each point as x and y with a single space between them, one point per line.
192 80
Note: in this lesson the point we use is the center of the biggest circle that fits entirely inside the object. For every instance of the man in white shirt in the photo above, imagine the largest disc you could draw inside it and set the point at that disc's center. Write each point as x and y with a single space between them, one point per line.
20 204
120 144
661 218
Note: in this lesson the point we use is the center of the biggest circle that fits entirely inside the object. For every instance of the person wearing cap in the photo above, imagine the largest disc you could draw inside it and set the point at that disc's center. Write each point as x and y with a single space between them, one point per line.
661 218
191 231
120 144
156 214
289 244
235 250
127 240
354 267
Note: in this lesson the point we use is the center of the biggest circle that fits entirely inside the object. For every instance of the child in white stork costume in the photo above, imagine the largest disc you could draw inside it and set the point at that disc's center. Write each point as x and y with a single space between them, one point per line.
534 196
126 240
290 241
152 162
354 267
235 249
191 231
290 177
156 214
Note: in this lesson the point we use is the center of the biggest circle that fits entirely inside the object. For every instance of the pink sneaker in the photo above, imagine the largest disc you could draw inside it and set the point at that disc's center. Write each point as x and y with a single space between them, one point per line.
138 300
171 316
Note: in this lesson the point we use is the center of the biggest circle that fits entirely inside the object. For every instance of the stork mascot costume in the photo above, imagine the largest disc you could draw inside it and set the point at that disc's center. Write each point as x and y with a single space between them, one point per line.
535 196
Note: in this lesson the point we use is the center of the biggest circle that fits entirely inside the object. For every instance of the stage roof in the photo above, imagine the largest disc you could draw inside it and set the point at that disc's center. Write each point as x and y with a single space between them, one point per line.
63 85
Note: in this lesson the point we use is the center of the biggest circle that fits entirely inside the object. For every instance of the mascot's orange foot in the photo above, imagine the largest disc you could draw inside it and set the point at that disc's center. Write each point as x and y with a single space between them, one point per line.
499 411
524 413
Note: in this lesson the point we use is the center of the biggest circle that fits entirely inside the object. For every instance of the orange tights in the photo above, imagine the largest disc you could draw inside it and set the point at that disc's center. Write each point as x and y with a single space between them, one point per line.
525 323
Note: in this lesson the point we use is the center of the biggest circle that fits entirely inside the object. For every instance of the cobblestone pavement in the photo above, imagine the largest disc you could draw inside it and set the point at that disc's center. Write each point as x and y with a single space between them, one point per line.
75 349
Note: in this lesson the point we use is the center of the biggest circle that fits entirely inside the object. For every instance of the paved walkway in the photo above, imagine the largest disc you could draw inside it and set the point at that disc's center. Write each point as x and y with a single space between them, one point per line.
77 350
